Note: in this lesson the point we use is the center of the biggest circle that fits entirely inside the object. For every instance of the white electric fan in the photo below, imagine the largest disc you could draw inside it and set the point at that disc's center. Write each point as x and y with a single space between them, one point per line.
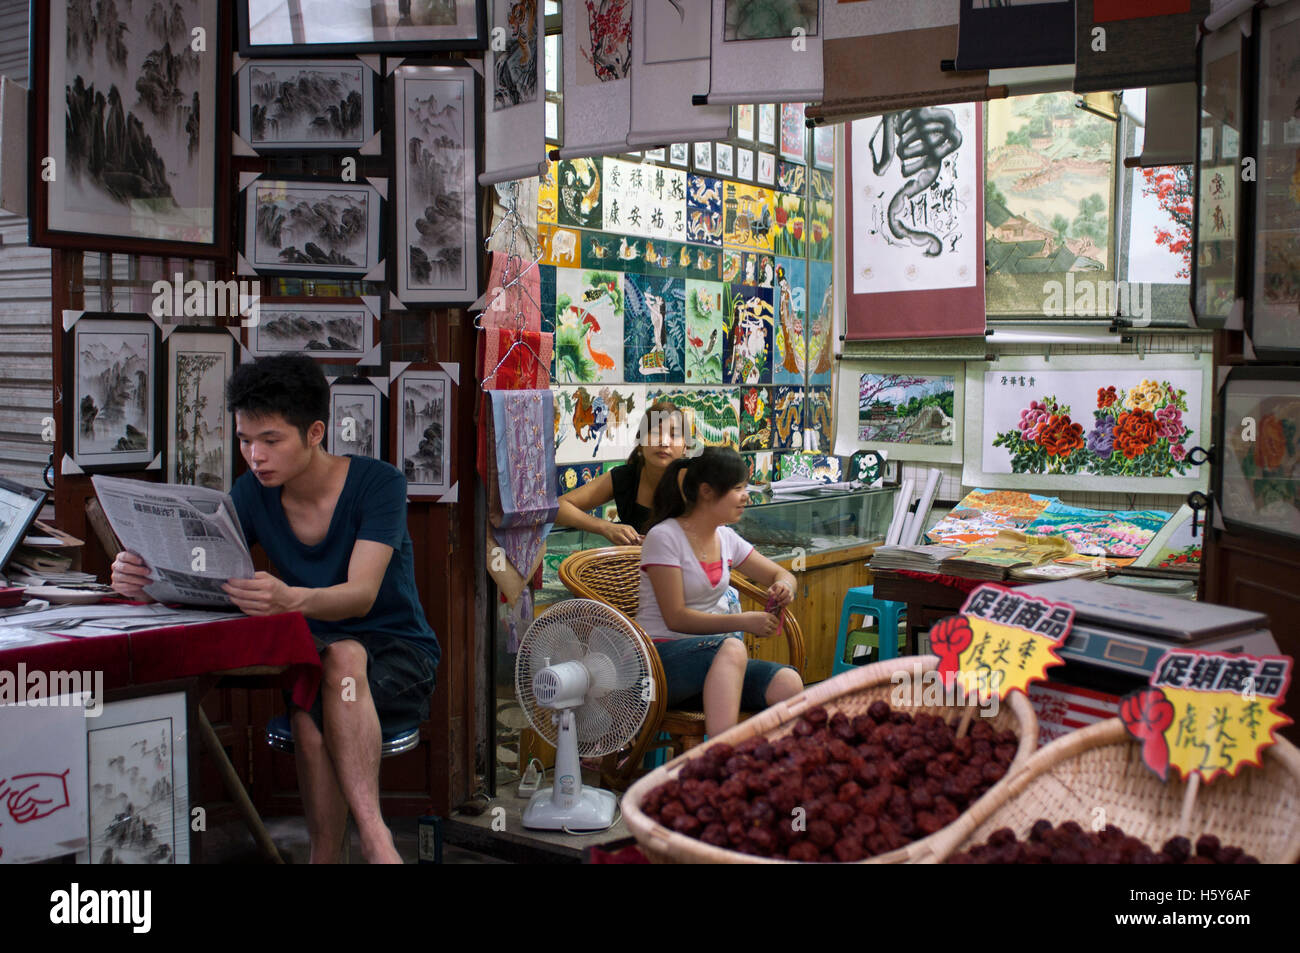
584 679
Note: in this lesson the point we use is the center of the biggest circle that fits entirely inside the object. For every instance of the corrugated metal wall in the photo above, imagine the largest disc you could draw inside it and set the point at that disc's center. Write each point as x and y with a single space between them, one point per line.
25 356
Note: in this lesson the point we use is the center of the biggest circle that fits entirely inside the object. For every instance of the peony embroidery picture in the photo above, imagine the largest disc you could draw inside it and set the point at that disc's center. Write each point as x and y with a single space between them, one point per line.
1130 428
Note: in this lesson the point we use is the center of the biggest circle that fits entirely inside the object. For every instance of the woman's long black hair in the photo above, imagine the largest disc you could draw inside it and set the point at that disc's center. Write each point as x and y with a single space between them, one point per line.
720 467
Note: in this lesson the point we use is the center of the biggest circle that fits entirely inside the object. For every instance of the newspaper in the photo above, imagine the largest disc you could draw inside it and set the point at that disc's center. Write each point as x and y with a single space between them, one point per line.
188 535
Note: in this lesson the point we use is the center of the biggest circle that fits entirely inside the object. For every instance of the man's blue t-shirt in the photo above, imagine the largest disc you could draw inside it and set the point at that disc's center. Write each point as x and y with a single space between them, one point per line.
371 506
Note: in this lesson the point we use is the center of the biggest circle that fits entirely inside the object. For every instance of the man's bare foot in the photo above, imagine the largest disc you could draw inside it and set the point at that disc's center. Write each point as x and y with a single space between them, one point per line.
380 849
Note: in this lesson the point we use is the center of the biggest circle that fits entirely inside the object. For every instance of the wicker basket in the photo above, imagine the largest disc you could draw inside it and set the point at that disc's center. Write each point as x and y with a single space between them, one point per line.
851 693
1101 767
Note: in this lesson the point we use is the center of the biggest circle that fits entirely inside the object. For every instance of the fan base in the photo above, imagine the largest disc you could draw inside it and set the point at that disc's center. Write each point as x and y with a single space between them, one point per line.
592 809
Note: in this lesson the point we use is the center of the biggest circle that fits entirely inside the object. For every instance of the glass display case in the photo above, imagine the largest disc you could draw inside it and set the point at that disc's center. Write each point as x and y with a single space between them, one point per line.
809 522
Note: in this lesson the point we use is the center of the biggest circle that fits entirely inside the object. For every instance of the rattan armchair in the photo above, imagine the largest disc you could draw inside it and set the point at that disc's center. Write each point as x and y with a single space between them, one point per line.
612 575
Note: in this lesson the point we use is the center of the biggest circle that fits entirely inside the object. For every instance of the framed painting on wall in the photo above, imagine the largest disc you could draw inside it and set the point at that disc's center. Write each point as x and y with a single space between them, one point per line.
200 431
305 27
1221 110
1102 423
911 410
435 186
337 330
420 427
1275 304
110 390
1258 485
129 144
794 135
307 105
356 423
312 227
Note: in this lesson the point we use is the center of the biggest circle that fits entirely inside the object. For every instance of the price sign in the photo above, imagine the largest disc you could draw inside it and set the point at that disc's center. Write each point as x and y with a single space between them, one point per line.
1002 641
1208 713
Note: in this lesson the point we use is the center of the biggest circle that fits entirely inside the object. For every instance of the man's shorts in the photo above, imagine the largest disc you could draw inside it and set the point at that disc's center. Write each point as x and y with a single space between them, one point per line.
401 676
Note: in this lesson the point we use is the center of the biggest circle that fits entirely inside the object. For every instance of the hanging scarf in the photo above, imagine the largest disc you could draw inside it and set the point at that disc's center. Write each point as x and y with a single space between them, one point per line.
521 488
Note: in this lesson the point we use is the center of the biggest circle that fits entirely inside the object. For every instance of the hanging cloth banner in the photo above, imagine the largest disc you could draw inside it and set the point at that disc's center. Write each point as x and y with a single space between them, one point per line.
1027 34
597 57
670 50
1136 43
514 121
915 207
772 57
884 56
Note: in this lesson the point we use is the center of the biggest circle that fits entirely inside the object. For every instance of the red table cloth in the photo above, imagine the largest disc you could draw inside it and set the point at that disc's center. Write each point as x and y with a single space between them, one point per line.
183 651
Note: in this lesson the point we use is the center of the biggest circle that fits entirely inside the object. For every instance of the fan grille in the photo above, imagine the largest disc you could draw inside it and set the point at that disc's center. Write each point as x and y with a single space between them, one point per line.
614 710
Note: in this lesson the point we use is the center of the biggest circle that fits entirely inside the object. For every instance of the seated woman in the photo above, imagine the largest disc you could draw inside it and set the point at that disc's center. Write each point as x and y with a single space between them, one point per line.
631 486
686 564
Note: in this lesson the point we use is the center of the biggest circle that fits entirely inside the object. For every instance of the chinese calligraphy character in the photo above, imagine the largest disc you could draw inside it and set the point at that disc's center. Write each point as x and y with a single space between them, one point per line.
1173 670
1234 675
983 602
1271 674
1054 626
1204 672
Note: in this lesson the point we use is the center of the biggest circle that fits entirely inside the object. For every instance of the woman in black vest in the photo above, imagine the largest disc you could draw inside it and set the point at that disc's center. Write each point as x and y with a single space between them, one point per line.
632 485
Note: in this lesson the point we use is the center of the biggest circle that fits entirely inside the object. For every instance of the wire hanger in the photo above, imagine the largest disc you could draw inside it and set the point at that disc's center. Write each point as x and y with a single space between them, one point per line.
512 267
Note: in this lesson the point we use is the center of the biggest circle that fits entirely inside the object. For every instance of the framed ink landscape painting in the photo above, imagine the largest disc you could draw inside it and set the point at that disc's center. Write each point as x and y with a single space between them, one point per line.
110 400
312 226
199 431
435 199
306 27
302 105
128 143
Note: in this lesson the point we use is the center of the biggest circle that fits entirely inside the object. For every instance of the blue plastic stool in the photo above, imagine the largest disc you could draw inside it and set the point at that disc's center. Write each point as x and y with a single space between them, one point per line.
279 735
860 601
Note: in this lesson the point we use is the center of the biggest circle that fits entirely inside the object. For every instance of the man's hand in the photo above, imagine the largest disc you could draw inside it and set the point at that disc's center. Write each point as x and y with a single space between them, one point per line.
263 595
130 574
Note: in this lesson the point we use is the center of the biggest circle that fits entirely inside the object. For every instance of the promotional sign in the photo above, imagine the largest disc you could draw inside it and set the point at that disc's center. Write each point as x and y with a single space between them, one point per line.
1208 713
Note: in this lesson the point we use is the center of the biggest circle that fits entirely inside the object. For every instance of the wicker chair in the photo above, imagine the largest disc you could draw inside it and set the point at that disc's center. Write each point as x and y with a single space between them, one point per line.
612 575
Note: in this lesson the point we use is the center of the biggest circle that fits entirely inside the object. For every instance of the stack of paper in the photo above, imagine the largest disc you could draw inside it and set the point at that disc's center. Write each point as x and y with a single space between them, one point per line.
1007 551
915 558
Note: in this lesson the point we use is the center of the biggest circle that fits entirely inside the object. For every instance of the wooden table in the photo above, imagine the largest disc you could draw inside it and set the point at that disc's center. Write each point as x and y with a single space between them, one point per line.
928 600
278 648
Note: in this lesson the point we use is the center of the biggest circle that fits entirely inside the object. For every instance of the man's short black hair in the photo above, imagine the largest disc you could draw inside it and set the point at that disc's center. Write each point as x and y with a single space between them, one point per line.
291 385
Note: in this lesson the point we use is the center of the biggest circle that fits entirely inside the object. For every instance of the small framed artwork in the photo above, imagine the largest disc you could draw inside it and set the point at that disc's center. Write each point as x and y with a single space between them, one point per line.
745 122
724 159
312 227
421 430
200 432
137 135
342 331
767 124
703 159
1217 194
656 155
1275 303
138 756
110 390
766 168
745 164
824 147
678 154
310 27
1258 485
793 132
909 410
435 188
356 424
307 105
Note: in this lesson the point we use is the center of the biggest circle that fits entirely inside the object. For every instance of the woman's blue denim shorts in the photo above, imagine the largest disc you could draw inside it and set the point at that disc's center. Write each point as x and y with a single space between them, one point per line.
687 661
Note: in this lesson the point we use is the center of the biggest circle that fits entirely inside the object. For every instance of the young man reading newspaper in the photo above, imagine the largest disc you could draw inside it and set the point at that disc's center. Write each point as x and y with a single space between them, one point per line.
334 527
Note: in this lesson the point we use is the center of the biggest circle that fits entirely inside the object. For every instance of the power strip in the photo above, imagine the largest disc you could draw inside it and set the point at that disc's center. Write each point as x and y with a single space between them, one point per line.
532 778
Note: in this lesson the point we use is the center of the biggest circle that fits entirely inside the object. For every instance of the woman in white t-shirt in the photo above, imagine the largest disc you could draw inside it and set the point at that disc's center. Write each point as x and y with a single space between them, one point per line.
686 563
